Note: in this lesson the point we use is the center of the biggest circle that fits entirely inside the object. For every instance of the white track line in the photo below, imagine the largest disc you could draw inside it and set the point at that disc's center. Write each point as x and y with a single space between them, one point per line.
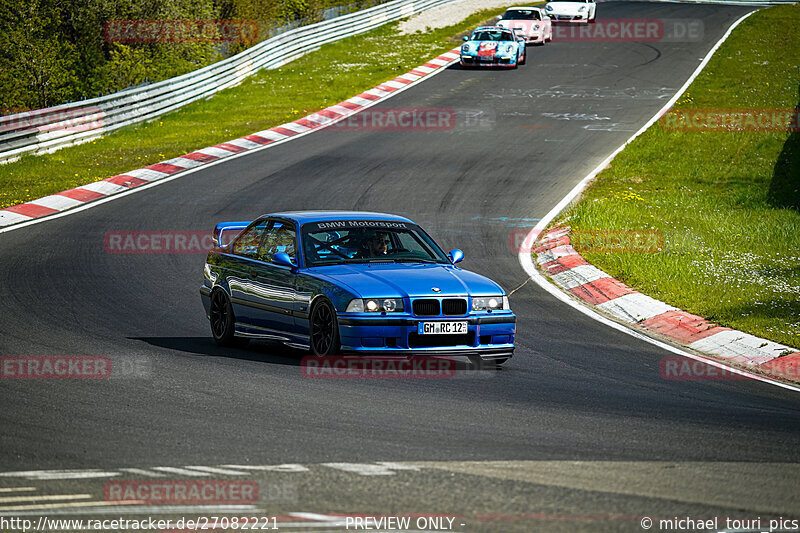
270 468
127 507
44 498
141 472
48 475
214 470
180 471
526 258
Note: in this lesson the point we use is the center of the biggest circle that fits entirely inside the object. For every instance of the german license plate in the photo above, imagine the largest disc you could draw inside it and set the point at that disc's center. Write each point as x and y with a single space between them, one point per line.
442 328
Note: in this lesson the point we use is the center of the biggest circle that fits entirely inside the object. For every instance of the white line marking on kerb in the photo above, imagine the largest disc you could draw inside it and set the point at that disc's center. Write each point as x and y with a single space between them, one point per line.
526 258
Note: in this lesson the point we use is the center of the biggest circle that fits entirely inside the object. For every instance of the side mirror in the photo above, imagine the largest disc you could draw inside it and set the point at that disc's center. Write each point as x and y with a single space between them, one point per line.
283 259
498 17
456 255
465 38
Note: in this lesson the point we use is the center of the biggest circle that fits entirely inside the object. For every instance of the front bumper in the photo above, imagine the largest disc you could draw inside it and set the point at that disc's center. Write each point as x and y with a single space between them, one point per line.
488 335
475 61
583 18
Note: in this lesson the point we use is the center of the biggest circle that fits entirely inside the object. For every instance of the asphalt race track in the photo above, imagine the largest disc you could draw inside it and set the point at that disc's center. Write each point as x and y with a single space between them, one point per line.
580 417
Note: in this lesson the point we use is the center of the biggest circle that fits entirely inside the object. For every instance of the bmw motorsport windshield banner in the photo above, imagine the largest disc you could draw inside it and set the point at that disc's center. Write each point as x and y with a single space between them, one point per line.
356 224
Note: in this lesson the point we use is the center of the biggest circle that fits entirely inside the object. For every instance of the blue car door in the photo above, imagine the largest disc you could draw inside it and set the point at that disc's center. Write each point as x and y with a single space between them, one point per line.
276 284
242 266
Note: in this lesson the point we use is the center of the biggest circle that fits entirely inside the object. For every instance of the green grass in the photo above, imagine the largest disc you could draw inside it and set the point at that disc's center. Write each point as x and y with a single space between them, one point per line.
726 202
271 97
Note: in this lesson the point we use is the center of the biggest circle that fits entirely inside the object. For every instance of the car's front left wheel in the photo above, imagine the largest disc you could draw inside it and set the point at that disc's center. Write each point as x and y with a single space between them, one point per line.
221 318
324 329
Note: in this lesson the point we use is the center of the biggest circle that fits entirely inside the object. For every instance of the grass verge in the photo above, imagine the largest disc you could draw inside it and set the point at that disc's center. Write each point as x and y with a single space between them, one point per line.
327 76
726 202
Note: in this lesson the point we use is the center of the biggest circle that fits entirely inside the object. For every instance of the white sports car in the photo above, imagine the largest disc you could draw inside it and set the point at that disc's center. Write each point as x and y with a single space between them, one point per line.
535 25
571 10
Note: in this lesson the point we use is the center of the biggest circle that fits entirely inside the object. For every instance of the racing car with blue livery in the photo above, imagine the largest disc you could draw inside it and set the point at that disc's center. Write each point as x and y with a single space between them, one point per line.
341 282
492 46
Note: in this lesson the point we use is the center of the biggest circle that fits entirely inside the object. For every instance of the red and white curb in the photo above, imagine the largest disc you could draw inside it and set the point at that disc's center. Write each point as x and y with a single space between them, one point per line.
570 271
79 196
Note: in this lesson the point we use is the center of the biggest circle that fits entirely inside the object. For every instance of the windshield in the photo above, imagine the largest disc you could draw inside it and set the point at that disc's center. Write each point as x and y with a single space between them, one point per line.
368 241
521 14
491 35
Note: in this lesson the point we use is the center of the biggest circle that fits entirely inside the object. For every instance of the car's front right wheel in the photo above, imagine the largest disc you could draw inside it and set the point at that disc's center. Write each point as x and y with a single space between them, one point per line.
324 329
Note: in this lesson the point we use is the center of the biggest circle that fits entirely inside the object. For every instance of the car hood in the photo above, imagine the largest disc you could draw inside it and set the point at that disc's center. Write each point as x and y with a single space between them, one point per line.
524 25
488 48
566 7
396 280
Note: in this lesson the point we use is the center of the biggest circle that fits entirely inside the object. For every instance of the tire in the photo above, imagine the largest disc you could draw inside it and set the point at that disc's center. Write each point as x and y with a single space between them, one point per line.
221 318
524 59
323 329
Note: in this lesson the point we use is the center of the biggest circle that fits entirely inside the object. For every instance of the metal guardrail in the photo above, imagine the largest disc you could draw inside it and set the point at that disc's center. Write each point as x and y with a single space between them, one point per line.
47 130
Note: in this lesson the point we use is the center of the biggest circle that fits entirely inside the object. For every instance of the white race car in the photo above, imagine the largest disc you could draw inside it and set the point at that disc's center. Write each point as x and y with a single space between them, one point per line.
571 10
535 25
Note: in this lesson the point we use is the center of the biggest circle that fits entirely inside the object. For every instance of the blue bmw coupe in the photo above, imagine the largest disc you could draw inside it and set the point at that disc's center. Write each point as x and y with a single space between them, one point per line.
341 282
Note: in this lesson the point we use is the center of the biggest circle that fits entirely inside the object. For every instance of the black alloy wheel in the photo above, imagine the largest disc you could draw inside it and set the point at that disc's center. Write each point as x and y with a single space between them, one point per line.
324 329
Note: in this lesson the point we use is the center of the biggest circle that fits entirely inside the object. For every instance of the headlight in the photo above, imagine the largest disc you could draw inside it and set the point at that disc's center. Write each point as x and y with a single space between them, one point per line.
375 305
548 8
465 48
536 27
582 8
490 303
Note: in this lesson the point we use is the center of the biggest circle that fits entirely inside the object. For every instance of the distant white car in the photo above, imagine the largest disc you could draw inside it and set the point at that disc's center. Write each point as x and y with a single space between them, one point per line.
533 22
571 10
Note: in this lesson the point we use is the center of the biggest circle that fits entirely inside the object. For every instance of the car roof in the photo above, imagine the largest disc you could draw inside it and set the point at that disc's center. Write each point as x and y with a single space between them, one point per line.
303 217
